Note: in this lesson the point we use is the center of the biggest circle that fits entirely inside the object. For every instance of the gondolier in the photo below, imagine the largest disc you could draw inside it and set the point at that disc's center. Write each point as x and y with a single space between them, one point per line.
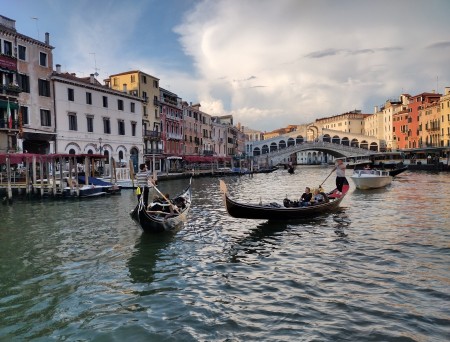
340 176
145 182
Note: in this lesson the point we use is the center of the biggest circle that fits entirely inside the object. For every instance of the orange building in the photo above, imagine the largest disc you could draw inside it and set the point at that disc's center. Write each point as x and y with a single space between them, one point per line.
407 125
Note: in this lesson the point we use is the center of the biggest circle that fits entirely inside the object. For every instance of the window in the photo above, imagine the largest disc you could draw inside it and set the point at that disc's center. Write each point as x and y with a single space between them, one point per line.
115 81
7 48
46 119
70 94
43 59
120 104
144 79
44 88
24 82
22 53
90 123
88 98
132 106
25 117
105 101
144 109
106 126
155 84
133 78
121 126
133 129
73 122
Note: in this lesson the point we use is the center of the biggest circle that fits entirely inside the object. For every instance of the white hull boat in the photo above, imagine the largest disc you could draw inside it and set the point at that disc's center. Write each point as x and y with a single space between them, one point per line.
371 179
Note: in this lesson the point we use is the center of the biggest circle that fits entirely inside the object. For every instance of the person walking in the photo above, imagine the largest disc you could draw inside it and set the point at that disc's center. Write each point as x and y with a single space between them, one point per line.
340 176
144 182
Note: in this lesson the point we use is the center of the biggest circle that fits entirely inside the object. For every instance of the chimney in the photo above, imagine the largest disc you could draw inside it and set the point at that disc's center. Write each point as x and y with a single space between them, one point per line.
447 90
91 79
124 87
107 83
58 68
47 38
375 109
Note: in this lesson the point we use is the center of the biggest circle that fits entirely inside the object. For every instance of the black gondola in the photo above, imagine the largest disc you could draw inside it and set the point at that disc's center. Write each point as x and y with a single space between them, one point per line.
279 212
158 221
397 171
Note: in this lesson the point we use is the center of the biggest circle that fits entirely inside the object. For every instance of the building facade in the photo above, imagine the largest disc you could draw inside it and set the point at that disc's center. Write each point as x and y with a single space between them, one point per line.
26 117
94 119
139 83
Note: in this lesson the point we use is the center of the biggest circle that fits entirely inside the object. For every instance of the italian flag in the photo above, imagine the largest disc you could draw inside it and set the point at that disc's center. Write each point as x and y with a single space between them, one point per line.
8 111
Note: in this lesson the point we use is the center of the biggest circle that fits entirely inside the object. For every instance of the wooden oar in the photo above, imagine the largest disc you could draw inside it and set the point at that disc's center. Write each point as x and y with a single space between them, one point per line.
327 177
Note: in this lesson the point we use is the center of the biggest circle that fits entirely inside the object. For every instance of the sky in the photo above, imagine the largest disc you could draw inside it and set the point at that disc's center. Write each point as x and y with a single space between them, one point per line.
269 63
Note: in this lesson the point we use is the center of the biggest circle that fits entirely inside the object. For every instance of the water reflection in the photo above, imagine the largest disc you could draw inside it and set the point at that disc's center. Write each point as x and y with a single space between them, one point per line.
145 255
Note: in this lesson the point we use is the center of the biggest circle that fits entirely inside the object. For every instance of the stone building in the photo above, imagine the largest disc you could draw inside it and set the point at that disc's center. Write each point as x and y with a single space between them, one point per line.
27 121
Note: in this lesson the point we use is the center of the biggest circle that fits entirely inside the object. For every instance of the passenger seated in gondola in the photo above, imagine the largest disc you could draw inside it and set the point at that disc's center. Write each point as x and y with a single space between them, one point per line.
318 197
305 199
324 195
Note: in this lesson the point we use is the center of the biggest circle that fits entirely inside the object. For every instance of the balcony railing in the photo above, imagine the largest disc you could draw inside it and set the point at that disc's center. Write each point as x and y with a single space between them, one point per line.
4 124
153 151
174 136
9 89
152 135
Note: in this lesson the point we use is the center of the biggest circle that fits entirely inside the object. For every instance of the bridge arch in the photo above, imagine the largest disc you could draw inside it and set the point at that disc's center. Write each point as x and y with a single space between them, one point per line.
265 149
299 139
282 144
273 147
326 138
345 141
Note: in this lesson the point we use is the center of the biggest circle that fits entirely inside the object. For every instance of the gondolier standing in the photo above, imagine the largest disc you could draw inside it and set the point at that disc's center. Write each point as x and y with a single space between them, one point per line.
145 182
340 175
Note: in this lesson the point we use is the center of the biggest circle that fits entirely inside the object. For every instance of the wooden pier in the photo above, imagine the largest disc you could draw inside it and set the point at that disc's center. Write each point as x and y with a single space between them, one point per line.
43 175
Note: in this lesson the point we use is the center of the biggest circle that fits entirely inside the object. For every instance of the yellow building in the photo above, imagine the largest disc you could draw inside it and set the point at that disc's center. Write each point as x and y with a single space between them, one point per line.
140 84
445 117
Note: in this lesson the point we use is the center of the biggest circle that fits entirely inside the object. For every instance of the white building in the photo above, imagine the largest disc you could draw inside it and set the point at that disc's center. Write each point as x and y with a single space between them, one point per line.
94 119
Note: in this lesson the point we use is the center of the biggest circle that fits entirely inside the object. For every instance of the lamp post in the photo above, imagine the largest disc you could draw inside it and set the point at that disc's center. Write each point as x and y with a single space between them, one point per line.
101 152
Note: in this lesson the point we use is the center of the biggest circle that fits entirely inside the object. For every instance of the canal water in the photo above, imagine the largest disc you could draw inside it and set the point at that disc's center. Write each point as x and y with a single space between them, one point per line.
81 270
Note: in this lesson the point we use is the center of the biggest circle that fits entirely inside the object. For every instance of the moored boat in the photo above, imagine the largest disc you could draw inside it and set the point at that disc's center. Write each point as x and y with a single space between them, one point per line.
278 212
371 179
159 221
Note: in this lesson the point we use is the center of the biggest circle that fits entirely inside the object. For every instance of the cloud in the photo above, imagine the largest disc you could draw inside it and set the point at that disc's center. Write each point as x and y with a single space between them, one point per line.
308 58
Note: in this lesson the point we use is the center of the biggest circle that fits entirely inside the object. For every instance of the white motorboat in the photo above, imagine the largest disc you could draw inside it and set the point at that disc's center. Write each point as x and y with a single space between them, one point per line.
371 179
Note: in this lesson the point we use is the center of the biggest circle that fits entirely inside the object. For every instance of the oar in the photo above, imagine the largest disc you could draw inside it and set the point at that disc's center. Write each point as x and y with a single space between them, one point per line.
327 177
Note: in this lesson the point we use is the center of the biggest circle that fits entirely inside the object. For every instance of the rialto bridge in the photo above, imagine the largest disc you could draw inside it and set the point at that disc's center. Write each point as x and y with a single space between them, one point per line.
337 144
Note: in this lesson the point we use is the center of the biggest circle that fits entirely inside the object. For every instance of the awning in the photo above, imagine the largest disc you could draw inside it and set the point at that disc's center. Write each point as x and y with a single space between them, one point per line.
198 159
12 105
39 136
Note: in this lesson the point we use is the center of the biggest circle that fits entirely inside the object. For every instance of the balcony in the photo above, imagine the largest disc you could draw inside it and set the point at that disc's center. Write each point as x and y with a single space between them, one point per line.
174 136
10 90
208 152
152 135
4 124
153 151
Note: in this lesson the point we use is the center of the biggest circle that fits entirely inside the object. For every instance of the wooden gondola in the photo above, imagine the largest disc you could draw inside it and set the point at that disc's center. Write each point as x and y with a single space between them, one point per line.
397 171
277 212
159 221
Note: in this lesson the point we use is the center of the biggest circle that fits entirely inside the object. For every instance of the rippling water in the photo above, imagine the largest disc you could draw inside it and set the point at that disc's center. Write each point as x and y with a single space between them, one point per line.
82 270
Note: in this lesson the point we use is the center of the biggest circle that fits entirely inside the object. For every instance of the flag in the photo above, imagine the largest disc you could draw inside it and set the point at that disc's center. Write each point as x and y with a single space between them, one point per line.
8 111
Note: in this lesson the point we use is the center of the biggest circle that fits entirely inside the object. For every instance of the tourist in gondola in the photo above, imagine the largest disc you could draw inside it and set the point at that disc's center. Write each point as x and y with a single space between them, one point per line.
306 197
